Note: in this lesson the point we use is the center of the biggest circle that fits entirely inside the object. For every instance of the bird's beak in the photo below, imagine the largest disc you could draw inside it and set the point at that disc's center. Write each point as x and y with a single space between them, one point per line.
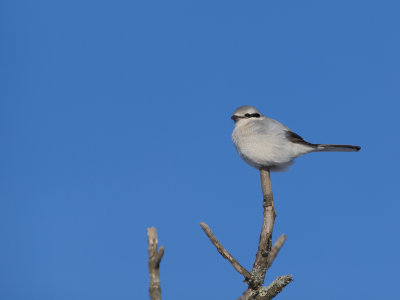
235 118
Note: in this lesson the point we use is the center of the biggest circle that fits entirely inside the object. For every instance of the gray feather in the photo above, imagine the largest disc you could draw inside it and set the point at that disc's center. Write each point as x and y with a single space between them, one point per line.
343 148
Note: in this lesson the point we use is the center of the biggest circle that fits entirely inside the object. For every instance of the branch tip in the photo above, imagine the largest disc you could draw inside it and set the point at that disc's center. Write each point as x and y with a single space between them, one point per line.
225 254
275 250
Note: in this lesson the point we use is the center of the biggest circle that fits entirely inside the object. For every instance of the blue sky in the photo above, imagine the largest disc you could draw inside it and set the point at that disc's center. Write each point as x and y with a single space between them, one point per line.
115 116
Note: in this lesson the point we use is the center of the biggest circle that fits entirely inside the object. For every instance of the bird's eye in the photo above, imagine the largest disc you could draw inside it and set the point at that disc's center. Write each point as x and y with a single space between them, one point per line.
256 115
247 115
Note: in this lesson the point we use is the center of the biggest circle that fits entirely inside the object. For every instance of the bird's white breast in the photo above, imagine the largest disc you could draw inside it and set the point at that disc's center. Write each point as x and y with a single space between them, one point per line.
263 143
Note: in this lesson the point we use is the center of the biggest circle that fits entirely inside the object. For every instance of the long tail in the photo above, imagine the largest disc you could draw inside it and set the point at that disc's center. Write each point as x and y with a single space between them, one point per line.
344 148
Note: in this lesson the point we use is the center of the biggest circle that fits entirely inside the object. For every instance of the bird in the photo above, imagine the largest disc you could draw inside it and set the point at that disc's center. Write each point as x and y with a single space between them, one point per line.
263 142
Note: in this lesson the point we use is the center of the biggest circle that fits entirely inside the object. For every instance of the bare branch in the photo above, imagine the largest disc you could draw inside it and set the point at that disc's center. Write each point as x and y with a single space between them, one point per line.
154 264
264 247
275 249
224 252
266 254
269 292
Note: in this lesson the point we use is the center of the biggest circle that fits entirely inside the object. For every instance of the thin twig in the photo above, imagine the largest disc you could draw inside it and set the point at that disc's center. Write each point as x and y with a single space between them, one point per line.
275 249
154 264
224 252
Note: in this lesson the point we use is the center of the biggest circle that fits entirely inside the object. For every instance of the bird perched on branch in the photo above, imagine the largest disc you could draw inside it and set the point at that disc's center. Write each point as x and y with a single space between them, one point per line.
264 142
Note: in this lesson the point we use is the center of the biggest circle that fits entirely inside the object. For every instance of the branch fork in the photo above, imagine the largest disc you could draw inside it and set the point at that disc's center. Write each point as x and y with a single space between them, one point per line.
266 253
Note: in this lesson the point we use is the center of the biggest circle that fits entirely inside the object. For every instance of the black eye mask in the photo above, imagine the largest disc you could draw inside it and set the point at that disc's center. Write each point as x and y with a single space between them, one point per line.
255 115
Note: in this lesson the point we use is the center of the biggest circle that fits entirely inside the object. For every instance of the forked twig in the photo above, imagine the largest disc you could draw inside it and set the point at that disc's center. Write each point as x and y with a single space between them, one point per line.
266 253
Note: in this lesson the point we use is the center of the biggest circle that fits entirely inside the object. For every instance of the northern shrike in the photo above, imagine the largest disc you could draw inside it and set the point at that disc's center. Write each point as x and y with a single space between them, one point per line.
264 142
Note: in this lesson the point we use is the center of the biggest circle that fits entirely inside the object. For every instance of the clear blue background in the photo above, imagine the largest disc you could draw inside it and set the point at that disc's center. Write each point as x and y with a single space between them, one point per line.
115 117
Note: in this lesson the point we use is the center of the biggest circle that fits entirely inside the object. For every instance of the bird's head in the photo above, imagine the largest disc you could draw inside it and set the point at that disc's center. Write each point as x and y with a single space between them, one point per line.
246 113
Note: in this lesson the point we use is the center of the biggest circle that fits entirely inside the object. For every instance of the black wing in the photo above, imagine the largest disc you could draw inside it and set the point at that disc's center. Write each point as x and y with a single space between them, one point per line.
295 138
